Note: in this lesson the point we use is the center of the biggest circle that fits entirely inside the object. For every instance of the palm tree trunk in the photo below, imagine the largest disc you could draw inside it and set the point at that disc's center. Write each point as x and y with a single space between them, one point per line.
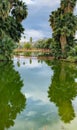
68 9
63 42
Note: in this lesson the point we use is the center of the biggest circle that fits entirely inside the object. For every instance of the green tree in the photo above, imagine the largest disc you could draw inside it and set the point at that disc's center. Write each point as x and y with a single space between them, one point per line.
12 13
43 43
27 45
64 25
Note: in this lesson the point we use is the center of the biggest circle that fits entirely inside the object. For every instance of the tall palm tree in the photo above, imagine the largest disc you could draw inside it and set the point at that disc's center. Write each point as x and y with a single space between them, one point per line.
64 23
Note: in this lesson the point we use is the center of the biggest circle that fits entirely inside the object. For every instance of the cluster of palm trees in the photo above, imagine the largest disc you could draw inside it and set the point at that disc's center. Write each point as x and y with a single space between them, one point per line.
64 25
12 12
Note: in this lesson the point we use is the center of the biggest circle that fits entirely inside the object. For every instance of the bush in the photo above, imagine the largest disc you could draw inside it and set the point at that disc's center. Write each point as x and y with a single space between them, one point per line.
55 49
72 59
43 43
6 47
27 46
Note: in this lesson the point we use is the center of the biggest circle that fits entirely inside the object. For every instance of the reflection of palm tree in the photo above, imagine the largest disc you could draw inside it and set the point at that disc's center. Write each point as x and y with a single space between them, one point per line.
63 89
12 101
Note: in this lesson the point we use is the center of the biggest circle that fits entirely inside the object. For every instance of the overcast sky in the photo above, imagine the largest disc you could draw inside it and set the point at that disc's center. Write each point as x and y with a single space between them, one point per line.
36 24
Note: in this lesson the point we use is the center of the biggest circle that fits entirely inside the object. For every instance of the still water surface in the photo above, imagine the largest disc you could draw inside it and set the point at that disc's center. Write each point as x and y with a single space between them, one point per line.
38 95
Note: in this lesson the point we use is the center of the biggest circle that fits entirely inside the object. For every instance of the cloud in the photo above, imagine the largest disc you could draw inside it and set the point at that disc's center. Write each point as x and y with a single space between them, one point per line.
28 2
35 34
38 16
48 2
42 2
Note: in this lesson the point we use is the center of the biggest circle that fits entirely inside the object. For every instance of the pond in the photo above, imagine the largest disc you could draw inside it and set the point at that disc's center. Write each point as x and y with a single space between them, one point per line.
38 94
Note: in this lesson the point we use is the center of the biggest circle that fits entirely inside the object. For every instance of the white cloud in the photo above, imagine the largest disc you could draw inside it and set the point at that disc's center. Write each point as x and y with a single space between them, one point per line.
28 2
38 14
48 2
42 2
35 34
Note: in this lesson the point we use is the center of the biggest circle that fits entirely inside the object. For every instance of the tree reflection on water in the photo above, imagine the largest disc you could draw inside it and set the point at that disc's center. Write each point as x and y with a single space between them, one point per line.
12 101
63 88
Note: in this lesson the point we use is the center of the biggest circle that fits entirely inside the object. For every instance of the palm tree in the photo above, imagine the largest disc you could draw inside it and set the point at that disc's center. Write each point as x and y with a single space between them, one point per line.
68 5
64 23
19 11
12 12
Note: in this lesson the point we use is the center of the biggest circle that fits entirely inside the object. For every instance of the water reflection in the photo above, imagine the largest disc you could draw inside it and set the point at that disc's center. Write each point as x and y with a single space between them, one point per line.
12 101
40 113
63 88
19 62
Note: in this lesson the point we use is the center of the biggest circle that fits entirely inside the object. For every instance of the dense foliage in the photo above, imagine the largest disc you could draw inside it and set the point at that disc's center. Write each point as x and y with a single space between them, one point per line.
27 45
64 25
12 12
43 43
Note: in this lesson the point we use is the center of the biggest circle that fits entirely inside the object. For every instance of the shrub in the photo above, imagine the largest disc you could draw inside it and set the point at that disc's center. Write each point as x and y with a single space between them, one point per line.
27 46
6 47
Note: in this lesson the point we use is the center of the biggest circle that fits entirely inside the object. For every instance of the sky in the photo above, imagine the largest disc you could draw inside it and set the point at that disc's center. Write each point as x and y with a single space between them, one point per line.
36 24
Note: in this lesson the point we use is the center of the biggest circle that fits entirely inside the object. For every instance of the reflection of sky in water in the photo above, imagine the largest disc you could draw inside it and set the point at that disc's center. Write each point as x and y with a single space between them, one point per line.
40 114
37 78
